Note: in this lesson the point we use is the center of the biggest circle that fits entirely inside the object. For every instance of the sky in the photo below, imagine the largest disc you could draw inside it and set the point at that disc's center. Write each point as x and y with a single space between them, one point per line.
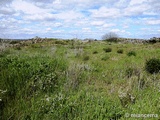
81 19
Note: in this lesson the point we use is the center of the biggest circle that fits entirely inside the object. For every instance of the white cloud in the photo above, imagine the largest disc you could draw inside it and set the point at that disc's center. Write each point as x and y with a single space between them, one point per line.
86 30
47 17
122 3
153 22
97 23
6 11
108 25
115 30
136 10
135 2
87 17
48 29
125 26
104 12
69 15
26 7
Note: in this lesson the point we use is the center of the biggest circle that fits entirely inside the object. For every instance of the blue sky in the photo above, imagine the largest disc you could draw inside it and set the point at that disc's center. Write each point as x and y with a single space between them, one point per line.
79 18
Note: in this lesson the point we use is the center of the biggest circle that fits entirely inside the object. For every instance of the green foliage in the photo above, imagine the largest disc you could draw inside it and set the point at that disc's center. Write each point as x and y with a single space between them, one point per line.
131 53
120 51
61 42
153 65
95 52
4 53
51 83
36 46
14 42
24 76
86 58
107 49
105 58
129 72
18 48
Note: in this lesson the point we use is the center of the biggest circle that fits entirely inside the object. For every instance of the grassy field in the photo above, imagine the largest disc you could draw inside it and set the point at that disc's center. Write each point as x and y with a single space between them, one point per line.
75 80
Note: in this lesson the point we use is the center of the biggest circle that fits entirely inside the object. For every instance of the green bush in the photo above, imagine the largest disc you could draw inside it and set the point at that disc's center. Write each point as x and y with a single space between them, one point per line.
120 51
14 42
18 48
153 65
105 58
107 49
61 42
129 72
4 53
131 53
95 52
86 58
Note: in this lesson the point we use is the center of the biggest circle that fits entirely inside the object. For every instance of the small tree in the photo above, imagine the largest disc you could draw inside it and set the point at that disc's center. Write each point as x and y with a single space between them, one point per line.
111 37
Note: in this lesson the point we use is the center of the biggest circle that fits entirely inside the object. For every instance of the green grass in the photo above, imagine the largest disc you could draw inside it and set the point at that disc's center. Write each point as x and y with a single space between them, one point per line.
72 80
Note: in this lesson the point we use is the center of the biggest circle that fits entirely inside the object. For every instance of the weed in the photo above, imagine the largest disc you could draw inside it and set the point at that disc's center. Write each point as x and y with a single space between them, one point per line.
4 53
107 49
86 58
95 52
120 51
18 48
14 42
105 58
131 53
153 65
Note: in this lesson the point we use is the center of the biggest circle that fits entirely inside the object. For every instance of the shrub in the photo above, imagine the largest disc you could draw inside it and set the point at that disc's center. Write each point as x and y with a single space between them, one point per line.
129 72
107 49
86 58
105 58
60 42
131 53
153 65
95 52
18 48
14 42
120 51
4 53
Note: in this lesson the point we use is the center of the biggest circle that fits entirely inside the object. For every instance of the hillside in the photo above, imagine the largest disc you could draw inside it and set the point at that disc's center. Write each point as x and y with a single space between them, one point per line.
72 80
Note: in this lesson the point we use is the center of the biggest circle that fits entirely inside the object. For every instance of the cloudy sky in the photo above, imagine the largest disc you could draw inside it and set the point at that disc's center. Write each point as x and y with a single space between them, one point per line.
79 18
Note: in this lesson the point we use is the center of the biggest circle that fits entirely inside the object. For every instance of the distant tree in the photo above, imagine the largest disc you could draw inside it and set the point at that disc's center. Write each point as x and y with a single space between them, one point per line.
111 36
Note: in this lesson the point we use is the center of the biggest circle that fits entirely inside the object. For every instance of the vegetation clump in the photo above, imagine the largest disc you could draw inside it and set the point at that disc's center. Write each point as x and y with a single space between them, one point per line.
105 58
120 51
131 53
153 65
107 49
95 52
86 58
14 42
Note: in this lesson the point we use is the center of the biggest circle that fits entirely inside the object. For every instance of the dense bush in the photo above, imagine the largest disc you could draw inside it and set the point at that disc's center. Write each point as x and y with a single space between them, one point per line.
120 51
105 58
61 42
131 53
95 52
153 65
107 49
14 42
129 72
86 58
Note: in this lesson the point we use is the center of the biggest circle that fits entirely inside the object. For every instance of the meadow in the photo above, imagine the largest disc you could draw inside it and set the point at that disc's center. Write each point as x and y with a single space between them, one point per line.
76 80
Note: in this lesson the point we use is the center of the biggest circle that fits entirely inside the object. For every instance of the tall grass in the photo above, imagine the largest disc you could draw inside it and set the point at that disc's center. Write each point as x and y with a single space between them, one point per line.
37 83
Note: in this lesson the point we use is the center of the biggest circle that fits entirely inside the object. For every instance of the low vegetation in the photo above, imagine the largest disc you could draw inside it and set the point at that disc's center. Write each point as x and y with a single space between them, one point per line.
107 49
120 51
131 53
153 65
72 80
